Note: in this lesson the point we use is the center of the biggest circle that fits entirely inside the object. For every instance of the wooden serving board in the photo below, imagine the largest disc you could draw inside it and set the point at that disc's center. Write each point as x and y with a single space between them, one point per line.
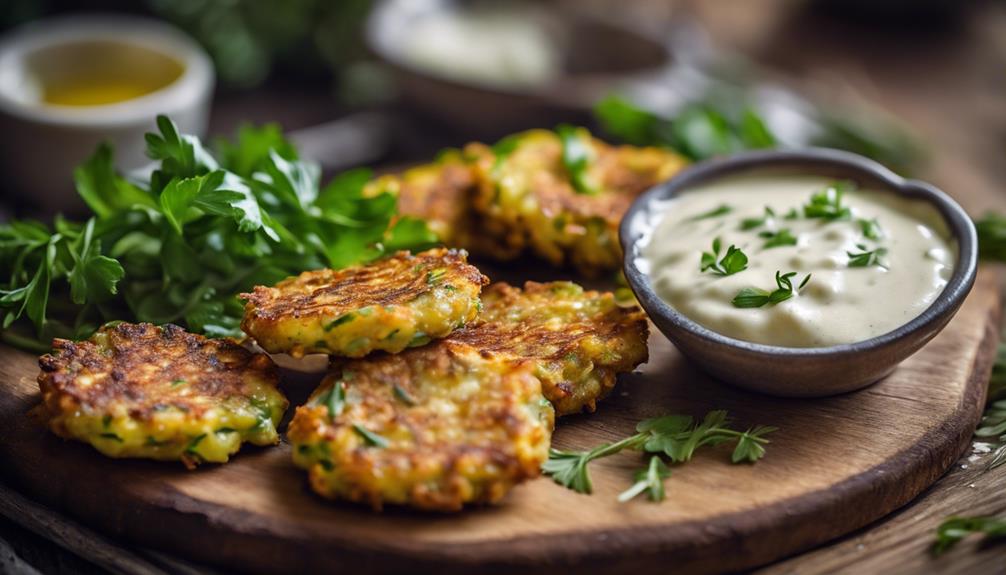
835 465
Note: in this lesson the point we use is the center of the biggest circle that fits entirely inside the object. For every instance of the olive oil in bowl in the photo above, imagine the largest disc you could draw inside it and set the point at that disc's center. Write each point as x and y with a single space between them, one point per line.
101 73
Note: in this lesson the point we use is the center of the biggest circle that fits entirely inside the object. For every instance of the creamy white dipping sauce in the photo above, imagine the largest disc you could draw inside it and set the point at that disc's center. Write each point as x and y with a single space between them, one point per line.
841 303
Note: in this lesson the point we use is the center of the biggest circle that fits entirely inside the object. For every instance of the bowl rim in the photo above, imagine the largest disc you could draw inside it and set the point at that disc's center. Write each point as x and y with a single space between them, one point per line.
186 91
383 12
958 222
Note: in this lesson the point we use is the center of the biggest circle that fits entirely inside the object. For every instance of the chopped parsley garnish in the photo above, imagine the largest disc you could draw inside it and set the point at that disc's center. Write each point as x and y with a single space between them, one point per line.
866 258
752 223
732 262
827 203
751 297
777 239
713 213
871 228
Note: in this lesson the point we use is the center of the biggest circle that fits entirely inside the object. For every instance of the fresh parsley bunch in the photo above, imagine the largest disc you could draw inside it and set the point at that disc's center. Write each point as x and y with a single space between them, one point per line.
180 245
725 120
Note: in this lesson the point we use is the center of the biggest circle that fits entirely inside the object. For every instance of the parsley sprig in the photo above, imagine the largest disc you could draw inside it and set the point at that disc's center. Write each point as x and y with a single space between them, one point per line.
827 203
732 262
675 437
777 239
954 529
865 258
180 245
750 297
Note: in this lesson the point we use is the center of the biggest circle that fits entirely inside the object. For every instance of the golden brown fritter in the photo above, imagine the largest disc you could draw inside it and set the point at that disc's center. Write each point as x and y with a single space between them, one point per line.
528 200
397 302
440 193
138 390
579 341
433 428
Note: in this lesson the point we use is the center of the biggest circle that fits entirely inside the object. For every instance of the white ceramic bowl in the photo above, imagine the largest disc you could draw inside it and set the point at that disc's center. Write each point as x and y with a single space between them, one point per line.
43 143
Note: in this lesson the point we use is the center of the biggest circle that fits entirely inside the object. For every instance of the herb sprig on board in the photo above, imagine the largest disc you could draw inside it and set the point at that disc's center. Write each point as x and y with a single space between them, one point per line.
675 437
179 245
992 428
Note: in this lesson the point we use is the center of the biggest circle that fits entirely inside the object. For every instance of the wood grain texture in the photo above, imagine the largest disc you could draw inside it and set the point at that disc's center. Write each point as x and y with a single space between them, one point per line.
835 465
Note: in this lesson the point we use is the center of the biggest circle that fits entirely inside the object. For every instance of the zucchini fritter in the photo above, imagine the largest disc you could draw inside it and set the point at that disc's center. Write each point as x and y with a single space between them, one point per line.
579 341
526 194
401 301
138 390
440 193
433 428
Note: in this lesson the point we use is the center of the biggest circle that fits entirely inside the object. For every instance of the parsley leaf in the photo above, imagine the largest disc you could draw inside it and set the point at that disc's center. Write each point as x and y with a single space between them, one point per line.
992 237
725 119
732 262
104 191
577 155
93 277
953 529
751 297
827 203
650 480
777 239
722 210
866 258
752 223
871 229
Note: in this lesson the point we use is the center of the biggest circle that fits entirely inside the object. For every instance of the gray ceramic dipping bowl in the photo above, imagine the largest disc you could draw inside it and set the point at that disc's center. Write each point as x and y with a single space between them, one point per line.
790 371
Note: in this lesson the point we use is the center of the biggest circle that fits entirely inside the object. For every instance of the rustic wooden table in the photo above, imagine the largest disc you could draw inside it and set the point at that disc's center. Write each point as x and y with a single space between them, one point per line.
946 82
